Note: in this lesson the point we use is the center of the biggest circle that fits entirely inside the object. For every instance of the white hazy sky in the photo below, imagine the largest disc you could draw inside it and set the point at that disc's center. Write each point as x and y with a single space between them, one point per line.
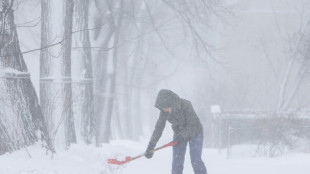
243 80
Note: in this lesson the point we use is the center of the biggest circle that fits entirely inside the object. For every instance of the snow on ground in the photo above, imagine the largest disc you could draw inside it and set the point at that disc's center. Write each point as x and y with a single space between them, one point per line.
82 159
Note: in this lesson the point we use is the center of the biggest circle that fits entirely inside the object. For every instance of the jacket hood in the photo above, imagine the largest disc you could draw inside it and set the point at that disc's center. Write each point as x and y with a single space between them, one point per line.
166 99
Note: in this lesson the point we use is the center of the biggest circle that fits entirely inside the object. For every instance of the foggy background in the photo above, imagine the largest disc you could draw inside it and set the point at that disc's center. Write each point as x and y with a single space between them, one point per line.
255 60
79 79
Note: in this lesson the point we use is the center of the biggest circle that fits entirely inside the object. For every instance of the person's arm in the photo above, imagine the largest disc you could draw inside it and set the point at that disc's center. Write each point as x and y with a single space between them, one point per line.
159 128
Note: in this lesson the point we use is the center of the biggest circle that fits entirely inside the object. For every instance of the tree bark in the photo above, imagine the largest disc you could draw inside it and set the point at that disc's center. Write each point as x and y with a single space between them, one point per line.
66 72
20 115
82 60
55 72
104 36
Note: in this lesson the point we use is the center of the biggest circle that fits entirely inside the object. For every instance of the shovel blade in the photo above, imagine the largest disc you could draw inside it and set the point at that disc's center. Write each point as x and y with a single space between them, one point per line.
117 162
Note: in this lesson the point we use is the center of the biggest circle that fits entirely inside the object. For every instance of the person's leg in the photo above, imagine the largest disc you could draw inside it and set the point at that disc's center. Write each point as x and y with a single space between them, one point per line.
195 147
178 158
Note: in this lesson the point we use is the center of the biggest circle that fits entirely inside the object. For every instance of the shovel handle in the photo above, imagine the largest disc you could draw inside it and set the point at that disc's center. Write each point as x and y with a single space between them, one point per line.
156 149
128 159
164 146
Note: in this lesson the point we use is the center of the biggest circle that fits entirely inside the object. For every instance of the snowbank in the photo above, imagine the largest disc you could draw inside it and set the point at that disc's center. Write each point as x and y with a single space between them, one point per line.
82 159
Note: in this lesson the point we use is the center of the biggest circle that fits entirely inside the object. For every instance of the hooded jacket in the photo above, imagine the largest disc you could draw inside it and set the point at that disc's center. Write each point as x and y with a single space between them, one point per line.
182 117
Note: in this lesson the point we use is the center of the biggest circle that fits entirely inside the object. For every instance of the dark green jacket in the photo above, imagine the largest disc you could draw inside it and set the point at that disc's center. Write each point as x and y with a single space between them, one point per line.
183 117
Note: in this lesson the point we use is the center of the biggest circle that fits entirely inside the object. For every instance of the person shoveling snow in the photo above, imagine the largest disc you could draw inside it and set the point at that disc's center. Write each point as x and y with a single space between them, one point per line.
186 127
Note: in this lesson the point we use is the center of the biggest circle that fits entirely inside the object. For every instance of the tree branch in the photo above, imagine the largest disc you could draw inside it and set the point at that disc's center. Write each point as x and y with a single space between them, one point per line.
48 46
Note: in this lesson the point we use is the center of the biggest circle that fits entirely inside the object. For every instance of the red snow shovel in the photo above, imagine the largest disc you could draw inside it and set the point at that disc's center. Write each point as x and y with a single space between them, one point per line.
128 158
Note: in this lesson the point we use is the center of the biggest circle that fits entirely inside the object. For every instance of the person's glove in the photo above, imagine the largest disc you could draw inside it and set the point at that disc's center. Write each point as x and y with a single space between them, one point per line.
179 138
148 154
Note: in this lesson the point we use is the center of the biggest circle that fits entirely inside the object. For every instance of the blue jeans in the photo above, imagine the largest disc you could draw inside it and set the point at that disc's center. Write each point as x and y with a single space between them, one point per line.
195 147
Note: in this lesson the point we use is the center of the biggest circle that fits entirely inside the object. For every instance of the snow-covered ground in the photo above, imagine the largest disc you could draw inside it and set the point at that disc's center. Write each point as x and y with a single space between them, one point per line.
80 159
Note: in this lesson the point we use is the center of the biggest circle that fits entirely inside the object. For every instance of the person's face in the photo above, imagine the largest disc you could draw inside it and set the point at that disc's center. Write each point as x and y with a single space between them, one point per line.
167 109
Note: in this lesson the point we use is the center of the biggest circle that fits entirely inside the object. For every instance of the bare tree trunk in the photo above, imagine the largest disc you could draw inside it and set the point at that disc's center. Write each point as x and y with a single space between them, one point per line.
123 111
111 88
284 85
128 118
299 52
137 76
100 88
103 35
82 60
20 113
56 90
66 72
